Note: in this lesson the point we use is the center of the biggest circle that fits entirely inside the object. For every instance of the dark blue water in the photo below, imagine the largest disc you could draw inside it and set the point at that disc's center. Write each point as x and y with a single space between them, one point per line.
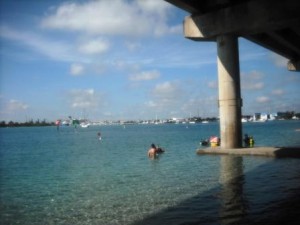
70 177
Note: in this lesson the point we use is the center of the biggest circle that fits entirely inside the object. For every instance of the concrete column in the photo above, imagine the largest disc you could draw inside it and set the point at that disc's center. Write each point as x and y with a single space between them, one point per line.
230 102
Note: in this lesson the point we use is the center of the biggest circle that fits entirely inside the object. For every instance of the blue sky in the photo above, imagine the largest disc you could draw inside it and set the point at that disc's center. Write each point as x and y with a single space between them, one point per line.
119 59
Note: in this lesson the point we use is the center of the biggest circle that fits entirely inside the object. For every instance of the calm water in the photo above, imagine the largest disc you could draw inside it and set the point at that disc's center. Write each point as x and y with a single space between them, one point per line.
70 177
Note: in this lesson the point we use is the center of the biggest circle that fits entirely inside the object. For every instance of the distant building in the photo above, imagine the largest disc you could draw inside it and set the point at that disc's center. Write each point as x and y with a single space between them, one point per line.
178 120
264 116
256 116
272 116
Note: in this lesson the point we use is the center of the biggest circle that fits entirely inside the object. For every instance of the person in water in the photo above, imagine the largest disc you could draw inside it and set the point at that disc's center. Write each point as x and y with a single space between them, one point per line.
152 151
99 136
159 150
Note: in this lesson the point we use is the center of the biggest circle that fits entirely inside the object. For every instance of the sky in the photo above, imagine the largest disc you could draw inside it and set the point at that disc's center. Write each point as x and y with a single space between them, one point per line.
123 59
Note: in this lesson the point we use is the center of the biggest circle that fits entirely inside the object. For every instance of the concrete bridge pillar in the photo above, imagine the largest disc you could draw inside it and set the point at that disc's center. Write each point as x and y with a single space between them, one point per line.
230 101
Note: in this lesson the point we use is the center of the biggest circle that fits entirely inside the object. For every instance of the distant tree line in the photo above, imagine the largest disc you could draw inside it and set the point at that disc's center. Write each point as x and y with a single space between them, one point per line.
30 123
287 115
198 119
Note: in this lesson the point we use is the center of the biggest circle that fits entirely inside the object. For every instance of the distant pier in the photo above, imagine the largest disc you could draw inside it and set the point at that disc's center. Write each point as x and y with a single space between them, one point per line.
277 152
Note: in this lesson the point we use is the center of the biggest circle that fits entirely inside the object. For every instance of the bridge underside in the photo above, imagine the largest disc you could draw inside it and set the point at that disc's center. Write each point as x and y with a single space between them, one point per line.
272 24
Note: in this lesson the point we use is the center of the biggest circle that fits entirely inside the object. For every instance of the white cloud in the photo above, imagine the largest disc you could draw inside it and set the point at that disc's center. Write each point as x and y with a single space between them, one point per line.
132 46
53 49
256 75
213 84
252 80
176 29
253 86
167 96
278 60
166 89
146 75
111 17
84 99
94 46
153 6
15 105
262 99
151 104
175 98
12 106
278 92
76 69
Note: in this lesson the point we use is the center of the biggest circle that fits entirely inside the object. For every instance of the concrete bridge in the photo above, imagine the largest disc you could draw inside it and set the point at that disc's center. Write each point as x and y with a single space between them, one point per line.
274 24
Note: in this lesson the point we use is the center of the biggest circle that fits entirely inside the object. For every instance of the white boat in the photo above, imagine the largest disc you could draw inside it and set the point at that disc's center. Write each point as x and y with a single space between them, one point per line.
244 120
84 125
260 121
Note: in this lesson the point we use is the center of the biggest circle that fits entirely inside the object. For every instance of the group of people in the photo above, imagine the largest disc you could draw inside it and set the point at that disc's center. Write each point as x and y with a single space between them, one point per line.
249 141
215 141
154 151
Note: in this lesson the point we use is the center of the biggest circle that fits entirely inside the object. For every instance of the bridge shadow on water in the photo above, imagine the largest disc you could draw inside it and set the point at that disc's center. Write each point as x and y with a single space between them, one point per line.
257 197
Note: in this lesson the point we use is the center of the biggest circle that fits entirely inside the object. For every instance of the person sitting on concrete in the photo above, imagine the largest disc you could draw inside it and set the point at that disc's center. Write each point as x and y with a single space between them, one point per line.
214 141
204 142
251 141
247 140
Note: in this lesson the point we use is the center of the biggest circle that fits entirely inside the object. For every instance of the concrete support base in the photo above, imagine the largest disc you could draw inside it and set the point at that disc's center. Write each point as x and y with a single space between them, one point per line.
279 152
230 102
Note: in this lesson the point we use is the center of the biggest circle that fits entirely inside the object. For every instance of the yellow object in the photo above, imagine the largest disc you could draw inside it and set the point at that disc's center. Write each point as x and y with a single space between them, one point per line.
214 141
213 144
251 142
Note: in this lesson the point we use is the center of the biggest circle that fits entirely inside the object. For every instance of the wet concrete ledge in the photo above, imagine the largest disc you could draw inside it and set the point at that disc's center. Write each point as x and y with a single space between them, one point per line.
279 152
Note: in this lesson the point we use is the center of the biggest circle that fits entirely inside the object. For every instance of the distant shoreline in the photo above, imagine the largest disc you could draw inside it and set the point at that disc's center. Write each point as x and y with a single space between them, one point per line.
27 124
12 124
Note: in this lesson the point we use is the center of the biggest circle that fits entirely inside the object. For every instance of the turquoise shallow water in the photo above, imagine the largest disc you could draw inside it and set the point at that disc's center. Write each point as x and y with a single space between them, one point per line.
70 177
